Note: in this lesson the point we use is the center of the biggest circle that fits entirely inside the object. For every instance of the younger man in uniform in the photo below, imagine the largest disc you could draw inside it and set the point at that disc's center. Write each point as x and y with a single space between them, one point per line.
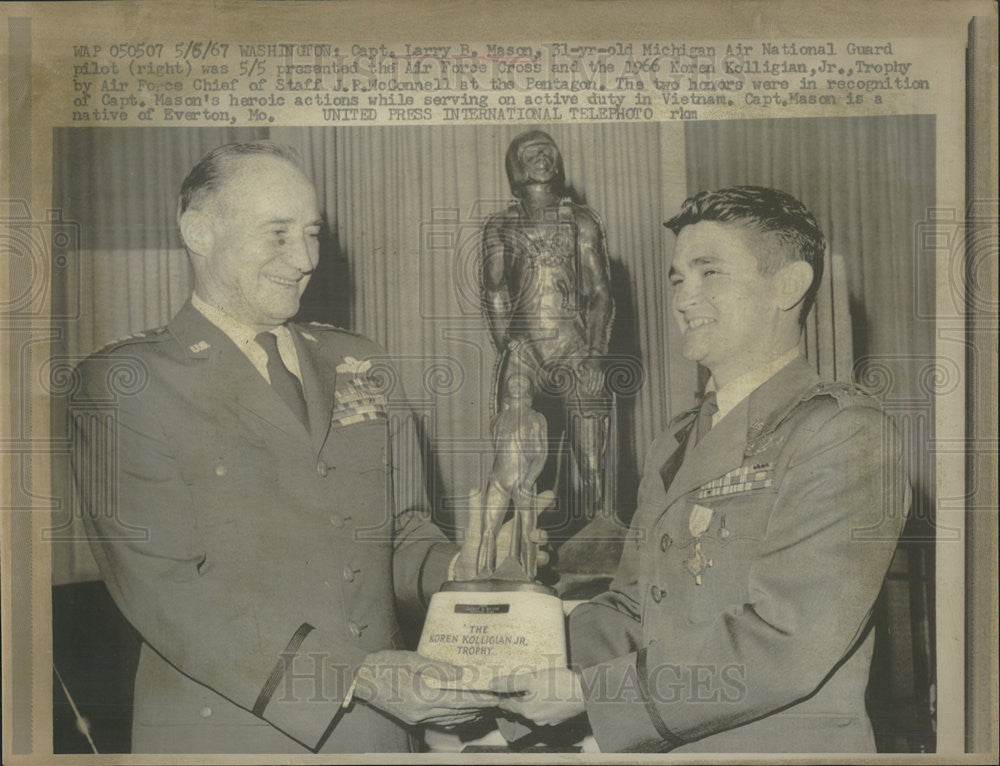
767 519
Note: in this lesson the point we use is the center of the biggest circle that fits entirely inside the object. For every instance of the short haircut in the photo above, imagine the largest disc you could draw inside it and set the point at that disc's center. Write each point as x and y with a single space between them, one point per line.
774 214
212 170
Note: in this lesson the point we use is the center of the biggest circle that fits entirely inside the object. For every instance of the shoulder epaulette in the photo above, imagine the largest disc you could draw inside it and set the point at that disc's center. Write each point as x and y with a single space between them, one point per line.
846 394
327 326
145 336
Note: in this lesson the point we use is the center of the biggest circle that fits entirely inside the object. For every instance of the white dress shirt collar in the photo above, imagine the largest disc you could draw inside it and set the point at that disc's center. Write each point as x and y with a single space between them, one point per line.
245 336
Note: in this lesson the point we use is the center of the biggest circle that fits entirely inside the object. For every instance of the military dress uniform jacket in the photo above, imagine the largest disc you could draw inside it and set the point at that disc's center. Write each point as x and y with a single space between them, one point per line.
260 562
737 619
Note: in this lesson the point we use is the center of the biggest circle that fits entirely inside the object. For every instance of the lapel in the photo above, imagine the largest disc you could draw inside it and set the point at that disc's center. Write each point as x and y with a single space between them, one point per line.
319 384
229 375
751 421
681 432
720 450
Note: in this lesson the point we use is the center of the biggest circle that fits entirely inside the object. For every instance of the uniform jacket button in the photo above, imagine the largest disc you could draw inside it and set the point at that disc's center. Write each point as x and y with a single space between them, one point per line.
665 542
221 470
356 630
349 573
322 468
656 593
206 711
337 521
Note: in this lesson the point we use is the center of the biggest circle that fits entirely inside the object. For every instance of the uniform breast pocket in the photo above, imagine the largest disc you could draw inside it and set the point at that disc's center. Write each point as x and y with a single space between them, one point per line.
358 447
742 517
356 474
225 476
714 567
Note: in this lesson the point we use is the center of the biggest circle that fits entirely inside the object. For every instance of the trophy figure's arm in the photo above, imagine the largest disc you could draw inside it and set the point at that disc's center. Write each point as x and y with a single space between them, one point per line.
595 282
497 301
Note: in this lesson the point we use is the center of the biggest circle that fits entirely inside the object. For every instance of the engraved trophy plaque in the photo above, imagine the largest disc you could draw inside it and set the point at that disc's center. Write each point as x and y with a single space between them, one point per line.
501 621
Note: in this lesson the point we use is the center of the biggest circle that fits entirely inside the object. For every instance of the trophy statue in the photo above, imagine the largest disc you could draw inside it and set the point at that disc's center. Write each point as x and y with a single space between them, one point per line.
501 621
547 300
546 293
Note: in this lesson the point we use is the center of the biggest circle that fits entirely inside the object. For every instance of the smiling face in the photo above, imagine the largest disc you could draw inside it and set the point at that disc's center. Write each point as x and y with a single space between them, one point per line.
259 240
732 317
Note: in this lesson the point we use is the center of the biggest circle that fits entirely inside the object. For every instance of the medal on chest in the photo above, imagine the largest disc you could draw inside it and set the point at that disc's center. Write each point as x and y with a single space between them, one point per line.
358 398
698 524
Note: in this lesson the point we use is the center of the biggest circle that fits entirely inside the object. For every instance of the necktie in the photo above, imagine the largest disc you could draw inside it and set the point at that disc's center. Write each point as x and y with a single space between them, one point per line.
709 406
283 381
702 425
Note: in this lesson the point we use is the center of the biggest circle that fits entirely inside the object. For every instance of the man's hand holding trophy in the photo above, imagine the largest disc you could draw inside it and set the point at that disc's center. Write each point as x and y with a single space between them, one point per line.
482 629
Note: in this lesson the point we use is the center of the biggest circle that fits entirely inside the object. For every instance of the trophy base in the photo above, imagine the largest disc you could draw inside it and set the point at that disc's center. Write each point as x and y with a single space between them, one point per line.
493 628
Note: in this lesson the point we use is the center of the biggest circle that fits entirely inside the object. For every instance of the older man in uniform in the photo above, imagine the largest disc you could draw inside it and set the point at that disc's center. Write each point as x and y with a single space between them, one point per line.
244 500
738 619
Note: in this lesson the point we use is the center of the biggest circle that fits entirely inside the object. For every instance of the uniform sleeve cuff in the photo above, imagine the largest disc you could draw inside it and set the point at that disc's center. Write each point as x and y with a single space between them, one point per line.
436 570
619 710
309 685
